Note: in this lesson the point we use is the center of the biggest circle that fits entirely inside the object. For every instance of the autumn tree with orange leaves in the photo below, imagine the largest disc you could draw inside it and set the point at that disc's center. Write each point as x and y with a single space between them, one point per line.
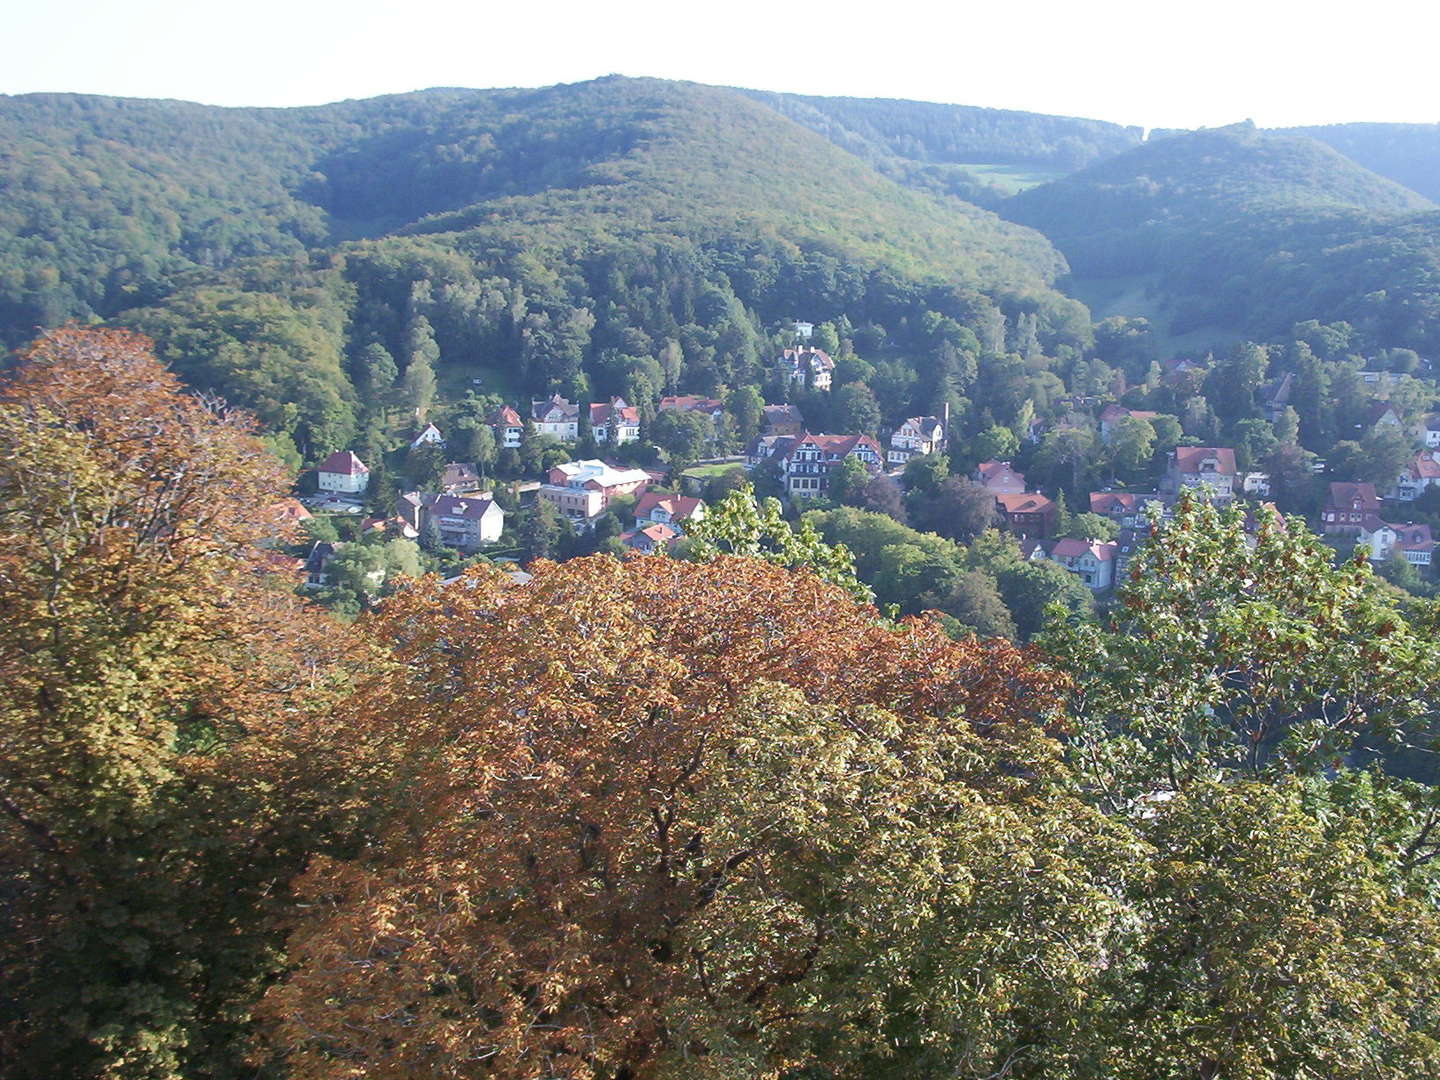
153 680
656 818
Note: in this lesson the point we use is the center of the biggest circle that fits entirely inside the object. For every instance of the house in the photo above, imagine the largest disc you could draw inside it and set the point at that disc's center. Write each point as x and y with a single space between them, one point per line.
1127 509
1413 542
464 523
766 447
581 490
1196 466
1346 508
508 427
1182 365
1026 514
1380 415
556 417
784 420
711 407
1111 415
650 539
615 423
318 574
806 466
656 507
1127 546
460 478
916 437
342 473
803 330
1423 472
1428 431
429 437
1275 396
807 366
1093 561
999 476
1256 484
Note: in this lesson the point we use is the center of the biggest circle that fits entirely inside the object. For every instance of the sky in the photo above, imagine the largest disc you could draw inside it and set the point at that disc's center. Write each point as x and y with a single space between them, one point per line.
1158 63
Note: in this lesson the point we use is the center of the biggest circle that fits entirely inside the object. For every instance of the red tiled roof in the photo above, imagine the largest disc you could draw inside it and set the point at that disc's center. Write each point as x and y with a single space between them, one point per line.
1074 549
507 417
679 507
1426 467
1348 496
1024 502
1189 458
1104 502
344 463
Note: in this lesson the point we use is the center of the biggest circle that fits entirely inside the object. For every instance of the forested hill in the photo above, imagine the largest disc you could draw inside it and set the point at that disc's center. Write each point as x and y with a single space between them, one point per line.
975 153
1250 231
1409 154
103 201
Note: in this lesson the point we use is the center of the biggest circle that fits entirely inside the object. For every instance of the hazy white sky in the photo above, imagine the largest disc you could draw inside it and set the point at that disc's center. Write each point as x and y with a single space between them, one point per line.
1157 63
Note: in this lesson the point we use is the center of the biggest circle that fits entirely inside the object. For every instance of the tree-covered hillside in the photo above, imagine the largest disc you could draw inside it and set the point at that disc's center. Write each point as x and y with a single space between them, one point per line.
938 147
1409 154
107 200
1252 232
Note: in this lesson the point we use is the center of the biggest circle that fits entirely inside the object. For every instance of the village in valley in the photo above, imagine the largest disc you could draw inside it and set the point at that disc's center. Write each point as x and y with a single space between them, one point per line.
557 478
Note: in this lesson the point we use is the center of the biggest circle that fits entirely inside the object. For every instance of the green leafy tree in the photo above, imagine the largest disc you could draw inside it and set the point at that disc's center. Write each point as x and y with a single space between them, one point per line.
739 525
995 443
1231 655
1132 446
856 410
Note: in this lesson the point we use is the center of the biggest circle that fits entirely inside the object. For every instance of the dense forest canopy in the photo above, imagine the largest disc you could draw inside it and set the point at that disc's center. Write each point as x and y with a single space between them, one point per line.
1249 231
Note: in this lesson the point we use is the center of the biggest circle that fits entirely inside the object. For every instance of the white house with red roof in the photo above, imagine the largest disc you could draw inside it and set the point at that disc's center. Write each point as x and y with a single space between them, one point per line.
1413 542
342 473
656 537
1201 466
508 427
809 461
615 423
1093 561
658 508
1421 473
581 490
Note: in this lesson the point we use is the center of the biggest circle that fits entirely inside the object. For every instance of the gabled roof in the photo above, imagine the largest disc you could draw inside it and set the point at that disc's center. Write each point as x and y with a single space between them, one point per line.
1432 422
778 414
679 507
554 409
1425 467
924 423
1277 392
429 433
1107 502
658 534
1024 502
1413 537
457 506
343 462
459 474
1069 548
1188 459
505 416
615 410
992 470
839 445
288 512
1347 496
1375 411
690 403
